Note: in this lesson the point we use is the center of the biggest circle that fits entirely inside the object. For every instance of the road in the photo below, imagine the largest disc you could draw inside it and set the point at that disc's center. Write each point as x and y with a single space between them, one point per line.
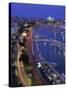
21 71
38 78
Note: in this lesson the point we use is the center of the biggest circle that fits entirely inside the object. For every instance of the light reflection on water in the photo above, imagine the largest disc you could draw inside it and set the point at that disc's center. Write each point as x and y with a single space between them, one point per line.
51 53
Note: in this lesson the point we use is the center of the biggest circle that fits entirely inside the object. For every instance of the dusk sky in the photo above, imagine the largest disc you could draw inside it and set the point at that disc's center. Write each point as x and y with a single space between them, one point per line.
37 10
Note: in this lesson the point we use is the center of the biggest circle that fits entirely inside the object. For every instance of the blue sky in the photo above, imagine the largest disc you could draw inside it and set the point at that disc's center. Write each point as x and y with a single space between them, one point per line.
37 10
